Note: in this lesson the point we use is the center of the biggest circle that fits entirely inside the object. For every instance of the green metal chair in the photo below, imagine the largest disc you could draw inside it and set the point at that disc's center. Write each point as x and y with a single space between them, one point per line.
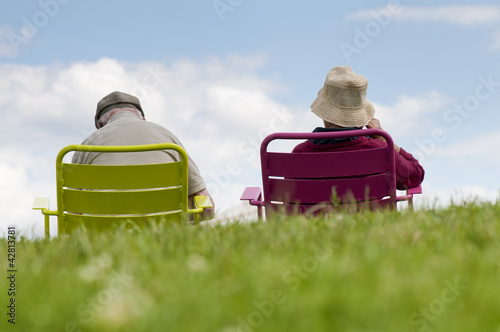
100 196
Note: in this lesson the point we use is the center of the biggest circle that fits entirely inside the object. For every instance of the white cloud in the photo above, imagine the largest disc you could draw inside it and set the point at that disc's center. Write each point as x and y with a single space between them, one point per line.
462 15
24 176
408 114
433 197
483 146
466 15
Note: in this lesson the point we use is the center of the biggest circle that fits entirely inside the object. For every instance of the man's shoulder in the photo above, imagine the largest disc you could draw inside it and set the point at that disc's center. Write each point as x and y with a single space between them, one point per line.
158 128
94 137
128 123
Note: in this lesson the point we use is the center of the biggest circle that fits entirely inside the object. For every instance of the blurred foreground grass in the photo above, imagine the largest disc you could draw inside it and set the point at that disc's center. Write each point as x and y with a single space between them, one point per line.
432 270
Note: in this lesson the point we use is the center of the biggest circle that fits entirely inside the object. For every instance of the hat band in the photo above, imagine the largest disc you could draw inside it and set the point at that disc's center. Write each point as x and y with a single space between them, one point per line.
345 98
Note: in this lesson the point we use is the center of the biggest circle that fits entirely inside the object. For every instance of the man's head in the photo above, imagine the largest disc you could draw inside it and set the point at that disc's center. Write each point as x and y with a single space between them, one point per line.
116 100
342 100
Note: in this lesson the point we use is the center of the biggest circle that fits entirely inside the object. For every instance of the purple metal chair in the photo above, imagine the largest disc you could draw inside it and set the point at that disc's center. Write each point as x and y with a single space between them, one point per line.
322 182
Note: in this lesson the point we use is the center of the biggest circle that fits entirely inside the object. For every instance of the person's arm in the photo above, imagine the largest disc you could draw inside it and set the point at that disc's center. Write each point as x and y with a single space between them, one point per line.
207 213
375 124
409 172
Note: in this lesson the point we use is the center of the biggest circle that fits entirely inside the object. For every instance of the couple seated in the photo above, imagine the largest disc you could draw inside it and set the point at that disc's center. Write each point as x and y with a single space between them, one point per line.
341 104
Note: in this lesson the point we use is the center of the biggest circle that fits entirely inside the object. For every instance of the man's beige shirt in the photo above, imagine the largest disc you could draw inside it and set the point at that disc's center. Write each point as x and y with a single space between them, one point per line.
125 128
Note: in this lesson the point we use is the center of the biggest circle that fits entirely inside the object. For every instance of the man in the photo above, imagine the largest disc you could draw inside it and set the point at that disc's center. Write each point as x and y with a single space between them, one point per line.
120 121
342 105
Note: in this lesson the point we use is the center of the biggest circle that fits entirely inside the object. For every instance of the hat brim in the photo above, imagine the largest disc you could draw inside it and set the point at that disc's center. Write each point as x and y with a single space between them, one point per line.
342 116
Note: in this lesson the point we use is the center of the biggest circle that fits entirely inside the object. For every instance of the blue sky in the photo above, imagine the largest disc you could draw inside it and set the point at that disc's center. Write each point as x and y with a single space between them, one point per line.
222 74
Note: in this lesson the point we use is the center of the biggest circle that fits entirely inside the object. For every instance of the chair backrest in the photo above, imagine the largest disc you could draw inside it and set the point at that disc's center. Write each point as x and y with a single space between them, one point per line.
299 182
99 196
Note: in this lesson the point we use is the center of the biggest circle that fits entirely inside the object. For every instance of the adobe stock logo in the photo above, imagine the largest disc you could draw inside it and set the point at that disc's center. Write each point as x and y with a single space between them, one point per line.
223 6
248 151
437 306
372 29
455 117
31 26
292 279
91 308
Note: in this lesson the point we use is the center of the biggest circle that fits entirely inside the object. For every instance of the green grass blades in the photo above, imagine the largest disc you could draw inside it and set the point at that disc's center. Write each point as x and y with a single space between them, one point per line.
430 270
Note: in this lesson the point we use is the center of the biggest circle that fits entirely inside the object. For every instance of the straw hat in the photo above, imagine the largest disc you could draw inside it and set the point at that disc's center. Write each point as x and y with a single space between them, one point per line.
342 100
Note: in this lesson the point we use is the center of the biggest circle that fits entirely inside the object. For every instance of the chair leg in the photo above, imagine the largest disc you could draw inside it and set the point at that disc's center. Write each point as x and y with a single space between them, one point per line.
410 204
47 227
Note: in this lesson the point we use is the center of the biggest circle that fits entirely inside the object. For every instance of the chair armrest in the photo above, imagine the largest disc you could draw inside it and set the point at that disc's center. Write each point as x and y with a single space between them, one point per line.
203 202
41 203
414 191
253 195
409 196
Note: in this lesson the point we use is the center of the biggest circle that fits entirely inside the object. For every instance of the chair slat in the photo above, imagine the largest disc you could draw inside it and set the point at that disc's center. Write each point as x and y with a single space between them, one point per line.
325 208
121 202
312 191
122 176
73 221
327 164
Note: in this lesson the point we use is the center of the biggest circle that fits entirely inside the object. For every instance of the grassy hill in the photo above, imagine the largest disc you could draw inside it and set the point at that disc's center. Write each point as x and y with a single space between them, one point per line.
431 270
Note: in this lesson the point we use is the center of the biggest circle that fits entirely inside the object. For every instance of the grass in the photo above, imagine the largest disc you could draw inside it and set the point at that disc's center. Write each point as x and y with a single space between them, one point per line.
431 270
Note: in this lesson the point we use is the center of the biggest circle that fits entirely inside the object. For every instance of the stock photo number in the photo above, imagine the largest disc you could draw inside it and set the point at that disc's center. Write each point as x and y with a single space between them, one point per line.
11 274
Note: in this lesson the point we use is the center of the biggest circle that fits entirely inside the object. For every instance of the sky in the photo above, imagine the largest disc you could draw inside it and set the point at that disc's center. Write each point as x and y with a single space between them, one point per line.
222 74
